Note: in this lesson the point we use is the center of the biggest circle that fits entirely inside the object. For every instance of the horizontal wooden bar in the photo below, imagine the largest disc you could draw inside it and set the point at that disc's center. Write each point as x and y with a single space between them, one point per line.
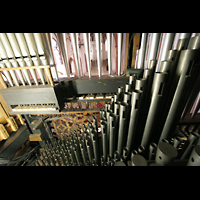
28 67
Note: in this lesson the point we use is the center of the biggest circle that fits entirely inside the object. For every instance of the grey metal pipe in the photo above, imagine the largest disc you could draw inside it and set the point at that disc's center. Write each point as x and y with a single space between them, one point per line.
6 74
109 43
104 139
194 43
132 80
13 75
63 51
112 138
15 64
157 88
119 43
36 62
135 105
187 148
32 71
167 45
173 115
177 141
127 97
141 52
86 37
24 71
153 48
98 45
152 151
75 49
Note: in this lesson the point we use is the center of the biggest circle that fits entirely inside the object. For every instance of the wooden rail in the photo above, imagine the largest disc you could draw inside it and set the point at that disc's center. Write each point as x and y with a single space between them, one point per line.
45 67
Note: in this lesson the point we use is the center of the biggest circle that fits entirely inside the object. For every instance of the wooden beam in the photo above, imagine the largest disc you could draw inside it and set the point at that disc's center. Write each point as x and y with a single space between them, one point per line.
29 67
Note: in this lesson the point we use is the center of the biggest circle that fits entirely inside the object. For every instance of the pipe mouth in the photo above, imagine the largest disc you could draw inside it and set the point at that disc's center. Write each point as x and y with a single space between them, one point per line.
137 91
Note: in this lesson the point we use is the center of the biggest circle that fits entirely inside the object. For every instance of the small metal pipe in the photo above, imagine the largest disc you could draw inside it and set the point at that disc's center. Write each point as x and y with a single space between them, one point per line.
6 74
15 64
63 52
119 43
98 47
32 71
36 62
86 37
75 50
24 71
8 65
157 88
109 43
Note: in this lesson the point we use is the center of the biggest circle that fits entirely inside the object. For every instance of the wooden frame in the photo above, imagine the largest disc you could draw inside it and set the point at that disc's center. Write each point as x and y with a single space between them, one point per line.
45 67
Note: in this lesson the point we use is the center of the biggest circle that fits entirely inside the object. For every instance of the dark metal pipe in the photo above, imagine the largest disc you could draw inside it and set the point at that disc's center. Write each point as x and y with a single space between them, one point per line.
158 86
135 102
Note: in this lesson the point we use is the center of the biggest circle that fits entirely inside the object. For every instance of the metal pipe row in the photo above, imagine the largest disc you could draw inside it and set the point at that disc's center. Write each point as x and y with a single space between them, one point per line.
15 48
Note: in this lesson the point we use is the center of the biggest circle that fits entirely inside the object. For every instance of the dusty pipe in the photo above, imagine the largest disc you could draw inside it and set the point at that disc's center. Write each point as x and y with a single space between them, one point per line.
86 37
109 43
98 45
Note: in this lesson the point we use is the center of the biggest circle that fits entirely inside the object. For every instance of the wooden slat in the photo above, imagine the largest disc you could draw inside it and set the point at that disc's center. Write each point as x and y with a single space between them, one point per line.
29 67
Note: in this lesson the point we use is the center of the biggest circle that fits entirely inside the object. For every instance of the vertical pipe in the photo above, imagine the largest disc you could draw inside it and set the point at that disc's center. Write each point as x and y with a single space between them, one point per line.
6 74
141 52
119 42
153 48
109 43
15 64
30 63
8 65
86 37
98 45
167 45
157 88
74 45
36 62
24 71
63 52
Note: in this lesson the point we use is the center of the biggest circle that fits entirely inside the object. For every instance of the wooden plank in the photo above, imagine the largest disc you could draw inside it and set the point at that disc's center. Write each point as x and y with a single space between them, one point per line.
30 67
